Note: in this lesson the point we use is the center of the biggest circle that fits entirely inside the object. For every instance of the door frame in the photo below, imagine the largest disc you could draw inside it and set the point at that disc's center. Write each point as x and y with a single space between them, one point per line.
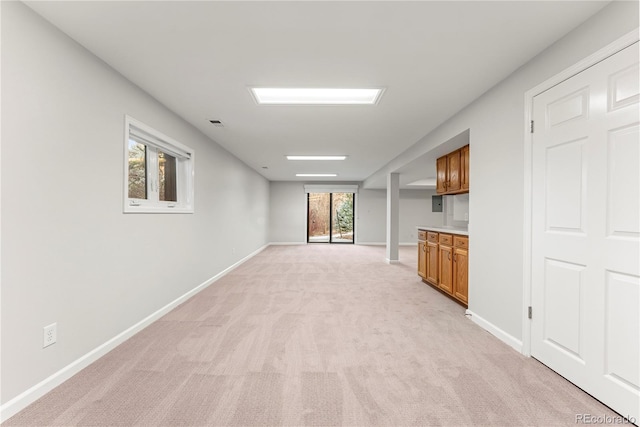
607 51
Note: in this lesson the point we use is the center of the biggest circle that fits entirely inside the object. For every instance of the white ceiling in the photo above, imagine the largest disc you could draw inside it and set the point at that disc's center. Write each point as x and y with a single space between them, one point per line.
433 58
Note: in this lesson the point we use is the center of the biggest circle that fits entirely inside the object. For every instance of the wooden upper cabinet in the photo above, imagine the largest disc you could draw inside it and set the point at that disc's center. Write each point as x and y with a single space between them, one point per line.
452 172
441 175
464 163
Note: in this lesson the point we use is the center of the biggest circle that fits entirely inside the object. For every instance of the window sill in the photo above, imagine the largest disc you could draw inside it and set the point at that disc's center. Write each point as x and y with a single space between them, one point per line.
158 209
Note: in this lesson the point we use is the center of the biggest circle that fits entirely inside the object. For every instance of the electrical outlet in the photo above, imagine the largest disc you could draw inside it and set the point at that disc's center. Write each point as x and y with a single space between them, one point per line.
50 334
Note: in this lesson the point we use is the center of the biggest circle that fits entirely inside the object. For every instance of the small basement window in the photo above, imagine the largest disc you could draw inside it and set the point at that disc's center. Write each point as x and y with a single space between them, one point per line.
158 171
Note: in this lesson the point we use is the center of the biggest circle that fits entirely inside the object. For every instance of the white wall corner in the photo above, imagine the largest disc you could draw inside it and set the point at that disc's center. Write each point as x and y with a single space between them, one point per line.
508 339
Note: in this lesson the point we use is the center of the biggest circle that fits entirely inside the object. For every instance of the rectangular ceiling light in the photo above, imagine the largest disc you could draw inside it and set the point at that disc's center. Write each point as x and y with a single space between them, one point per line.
316 174
316 96
316 157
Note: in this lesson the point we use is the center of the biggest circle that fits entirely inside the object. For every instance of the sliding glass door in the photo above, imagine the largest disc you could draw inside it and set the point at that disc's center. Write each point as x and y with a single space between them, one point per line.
330 217
342 218
318 214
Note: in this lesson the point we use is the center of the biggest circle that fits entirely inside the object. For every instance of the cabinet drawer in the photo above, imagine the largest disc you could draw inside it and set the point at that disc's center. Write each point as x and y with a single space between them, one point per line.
422 235
446 239
461 242
432 237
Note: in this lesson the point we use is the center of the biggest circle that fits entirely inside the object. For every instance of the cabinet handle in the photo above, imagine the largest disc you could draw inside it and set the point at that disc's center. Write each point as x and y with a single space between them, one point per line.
455 257
449 255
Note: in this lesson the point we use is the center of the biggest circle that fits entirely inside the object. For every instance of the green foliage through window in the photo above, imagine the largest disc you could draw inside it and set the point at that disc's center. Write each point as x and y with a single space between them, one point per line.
345 216
137 170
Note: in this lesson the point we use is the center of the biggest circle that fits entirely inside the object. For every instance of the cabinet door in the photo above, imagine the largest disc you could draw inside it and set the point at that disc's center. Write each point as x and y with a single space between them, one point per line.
432 263
422 259
446 269
461 274
441 175
453 171
464 167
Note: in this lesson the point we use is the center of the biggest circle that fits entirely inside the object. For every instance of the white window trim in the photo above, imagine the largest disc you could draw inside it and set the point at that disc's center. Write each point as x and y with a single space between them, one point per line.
185 171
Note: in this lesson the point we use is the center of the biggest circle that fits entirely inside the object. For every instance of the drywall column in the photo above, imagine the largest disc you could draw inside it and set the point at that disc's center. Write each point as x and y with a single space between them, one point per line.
393 217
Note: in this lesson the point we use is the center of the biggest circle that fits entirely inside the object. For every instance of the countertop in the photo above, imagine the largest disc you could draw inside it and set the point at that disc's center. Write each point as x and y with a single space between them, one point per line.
444 229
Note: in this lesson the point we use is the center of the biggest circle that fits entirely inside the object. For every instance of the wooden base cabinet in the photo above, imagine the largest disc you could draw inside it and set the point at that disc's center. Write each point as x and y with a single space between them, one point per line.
422 259
432 263
422 254
443 262
446 269
461 269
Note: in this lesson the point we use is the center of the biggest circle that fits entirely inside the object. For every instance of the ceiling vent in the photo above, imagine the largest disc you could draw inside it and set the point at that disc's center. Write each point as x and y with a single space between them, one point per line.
216 123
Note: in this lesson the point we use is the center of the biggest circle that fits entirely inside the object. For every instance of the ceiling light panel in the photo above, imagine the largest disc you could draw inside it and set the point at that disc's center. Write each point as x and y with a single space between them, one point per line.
316 157
316 96
316 174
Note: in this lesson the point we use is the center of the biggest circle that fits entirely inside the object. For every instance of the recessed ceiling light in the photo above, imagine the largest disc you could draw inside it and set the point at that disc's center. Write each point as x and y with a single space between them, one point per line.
316 157
315 96
316 174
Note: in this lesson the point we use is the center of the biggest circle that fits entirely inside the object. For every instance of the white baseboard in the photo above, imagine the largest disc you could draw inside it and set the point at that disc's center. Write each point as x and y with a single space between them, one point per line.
286 243
510 340
385 244
29 396
357 243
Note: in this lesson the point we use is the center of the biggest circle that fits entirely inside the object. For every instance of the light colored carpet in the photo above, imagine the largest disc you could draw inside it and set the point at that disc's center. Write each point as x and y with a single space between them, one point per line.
316 335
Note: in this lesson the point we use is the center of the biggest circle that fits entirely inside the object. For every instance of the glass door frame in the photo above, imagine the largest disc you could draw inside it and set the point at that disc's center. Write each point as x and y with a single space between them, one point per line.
353 240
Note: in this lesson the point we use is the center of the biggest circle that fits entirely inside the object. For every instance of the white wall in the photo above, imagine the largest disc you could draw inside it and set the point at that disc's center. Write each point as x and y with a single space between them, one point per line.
456 210
415 209
497 127
288 214
371 213
69 254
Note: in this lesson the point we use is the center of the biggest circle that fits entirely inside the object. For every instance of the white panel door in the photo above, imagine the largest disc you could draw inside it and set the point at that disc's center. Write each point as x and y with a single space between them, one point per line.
586 231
